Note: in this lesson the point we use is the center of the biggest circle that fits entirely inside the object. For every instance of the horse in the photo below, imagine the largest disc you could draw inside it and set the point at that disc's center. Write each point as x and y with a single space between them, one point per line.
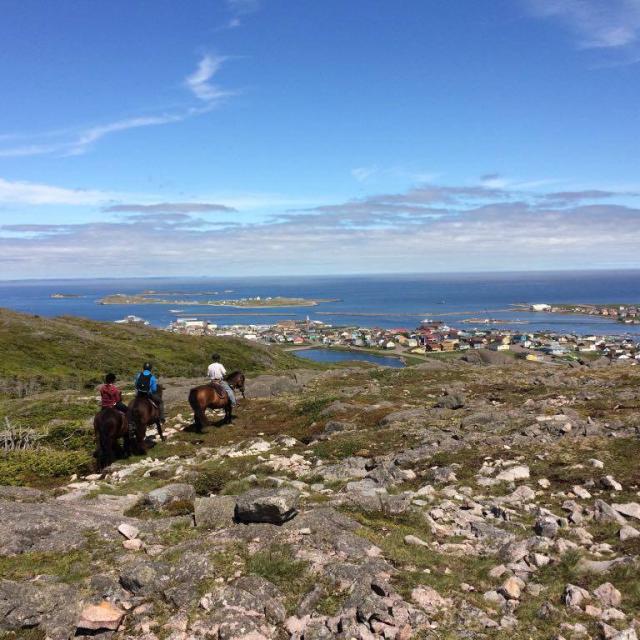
109 424
208 396
235 380
141 413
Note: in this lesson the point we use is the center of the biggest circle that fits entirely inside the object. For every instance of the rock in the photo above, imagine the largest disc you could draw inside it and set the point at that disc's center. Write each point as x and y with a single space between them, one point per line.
596 464
133 544
275 506
451 401
606 513
607 595
415 541
164 496
581 492
101 616
214 512
627 533
574 596
352 467
544 483
547 527
429 599
601 566
511 474
139 579
631 509
627 634
512 588
609 482
128 531
494 598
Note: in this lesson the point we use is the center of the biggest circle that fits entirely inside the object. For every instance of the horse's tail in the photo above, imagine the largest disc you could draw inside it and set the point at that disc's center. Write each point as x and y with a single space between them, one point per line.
104 444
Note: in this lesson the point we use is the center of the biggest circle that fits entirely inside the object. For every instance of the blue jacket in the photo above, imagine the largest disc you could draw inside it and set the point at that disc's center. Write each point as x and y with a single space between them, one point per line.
153 383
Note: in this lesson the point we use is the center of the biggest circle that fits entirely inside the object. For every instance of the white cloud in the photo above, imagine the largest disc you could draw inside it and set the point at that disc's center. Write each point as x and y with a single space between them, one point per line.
473 228
32 193
199 82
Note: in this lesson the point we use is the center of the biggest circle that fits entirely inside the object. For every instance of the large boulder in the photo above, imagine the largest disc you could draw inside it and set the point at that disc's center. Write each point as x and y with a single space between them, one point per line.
164 496
274 506
215 512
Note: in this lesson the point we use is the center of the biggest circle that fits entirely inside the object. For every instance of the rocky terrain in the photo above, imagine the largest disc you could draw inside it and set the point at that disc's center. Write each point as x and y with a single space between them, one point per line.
448 500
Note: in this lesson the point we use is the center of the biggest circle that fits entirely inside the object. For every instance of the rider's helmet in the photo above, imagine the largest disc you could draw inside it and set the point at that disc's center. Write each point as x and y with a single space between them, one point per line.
146 366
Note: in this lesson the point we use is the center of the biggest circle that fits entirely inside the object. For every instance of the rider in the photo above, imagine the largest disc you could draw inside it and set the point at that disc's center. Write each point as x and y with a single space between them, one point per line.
147 385
216 372
110 395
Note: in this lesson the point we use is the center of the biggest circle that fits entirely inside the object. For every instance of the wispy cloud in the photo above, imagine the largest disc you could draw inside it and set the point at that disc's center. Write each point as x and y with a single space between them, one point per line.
199 82
170 207
76 142
238 10
597 24
32 193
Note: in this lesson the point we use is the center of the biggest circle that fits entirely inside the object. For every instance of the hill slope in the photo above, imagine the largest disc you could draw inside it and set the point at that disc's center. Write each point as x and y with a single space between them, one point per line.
53 353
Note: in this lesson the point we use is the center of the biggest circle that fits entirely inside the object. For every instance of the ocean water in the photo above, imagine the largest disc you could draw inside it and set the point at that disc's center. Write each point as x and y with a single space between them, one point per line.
374 301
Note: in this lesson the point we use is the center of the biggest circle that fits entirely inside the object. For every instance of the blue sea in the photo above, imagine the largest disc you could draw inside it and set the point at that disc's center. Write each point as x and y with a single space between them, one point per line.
374 301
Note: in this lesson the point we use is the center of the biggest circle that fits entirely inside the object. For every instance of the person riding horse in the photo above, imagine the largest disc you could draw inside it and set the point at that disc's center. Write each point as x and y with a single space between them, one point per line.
217 373
147 385
110 395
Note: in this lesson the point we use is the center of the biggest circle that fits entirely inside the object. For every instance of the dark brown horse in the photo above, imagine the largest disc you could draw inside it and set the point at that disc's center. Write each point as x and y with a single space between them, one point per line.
108 425
235 380
208 396
143 412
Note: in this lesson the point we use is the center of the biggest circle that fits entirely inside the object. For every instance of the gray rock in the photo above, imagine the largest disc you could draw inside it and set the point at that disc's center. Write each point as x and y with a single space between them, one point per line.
406 415
215 512
164 496
451 401
274 506
141 578
352 467
51 606
547 527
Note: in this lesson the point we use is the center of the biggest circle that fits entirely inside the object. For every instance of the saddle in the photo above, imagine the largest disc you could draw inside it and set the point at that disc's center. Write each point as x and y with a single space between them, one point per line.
219 389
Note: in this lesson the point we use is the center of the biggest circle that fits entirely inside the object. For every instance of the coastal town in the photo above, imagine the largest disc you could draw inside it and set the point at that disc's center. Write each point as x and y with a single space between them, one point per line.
429 337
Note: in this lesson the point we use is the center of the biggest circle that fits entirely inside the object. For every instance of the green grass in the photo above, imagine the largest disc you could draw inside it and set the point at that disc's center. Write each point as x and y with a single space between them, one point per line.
42 467
70 567
55 353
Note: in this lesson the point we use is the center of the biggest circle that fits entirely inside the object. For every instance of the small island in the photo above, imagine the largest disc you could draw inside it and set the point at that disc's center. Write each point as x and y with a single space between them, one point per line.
625 313
257 302
64 296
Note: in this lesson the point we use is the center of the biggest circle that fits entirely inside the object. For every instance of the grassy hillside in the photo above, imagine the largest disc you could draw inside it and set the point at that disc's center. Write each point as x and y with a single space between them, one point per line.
40 354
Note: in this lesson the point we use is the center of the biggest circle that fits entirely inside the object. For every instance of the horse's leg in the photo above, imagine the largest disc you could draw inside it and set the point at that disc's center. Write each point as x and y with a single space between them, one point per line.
141 433
126 439
159 428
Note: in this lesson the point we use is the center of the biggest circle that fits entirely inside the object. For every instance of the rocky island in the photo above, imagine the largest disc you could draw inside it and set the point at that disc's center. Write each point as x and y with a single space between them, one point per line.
256 302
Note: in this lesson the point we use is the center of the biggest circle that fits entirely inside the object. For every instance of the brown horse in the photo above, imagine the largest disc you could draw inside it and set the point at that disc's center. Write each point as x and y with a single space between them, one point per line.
235 380
208 396
143 412
108 425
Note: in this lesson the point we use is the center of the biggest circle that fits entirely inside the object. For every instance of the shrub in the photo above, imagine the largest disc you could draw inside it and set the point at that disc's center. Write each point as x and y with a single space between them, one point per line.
39 466
211 481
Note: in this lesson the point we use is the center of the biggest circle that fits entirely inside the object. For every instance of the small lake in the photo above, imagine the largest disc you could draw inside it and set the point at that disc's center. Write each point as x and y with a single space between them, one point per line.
328 355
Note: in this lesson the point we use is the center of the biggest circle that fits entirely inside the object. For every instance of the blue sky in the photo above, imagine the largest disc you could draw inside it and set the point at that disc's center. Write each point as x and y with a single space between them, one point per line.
273 137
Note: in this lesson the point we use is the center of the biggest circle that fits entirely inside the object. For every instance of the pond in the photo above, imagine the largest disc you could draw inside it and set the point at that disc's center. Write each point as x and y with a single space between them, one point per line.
328 355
